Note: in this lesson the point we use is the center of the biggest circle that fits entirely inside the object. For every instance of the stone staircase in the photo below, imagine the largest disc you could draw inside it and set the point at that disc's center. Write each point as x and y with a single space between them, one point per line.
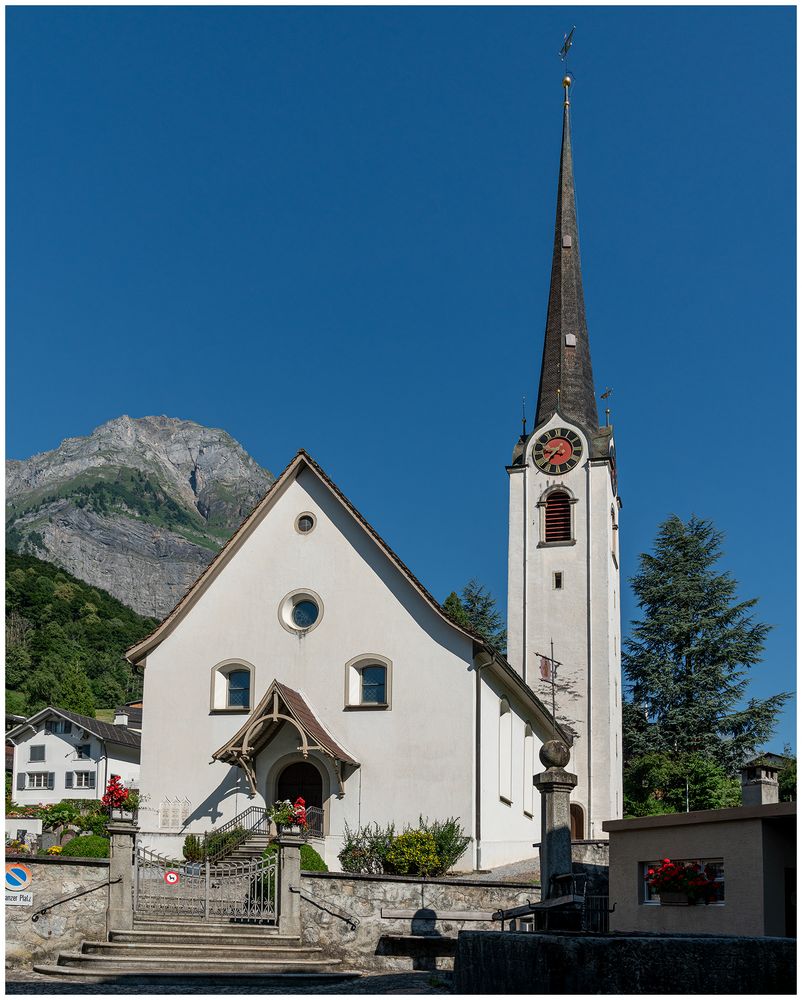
250 849
195 947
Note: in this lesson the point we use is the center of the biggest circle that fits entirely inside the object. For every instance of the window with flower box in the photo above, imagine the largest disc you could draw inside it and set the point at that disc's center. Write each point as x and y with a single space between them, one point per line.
712 867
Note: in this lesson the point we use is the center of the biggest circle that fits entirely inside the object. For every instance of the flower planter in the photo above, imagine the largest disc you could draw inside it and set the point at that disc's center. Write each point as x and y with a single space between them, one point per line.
124 815
291 829
674 898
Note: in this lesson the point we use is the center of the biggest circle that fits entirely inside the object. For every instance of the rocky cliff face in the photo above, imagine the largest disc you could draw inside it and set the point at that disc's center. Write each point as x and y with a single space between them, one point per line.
138 508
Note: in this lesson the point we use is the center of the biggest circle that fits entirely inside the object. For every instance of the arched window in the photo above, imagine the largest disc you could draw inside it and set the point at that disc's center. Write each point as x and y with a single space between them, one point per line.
529 771
505 751
232 687
368 682
557 517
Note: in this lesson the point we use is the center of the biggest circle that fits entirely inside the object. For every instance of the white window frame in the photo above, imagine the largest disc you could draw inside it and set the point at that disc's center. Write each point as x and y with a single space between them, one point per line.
82 779
353 682
218 699
529 770
541 504
505 751
33 779
648 897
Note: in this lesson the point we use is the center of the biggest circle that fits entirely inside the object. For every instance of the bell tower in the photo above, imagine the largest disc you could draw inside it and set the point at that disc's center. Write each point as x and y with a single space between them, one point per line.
563 581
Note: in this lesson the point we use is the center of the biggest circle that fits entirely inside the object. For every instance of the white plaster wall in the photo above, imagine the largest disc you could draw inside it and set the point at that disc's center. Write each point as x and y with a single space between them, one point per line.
507 832
415 757
61 757
582 619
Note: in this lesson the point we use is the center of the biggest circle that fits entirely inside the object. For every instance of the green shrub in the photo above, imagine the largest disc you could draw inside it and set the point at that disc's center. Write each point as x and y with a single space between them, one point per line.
192 848
64 813
90 846
365 849
413 853
450 841
311 861
93 822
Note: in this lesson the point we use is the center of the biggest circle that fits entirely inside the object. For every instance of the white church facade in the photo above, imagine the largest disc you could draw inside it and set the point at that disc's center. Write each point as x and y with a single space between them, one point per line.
307 659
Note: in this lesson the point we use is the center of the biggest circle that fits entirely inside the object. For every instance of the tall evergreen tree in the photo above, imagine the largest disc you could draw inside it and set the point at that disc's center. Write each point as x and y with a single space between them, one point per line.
75 691
687 660
476 609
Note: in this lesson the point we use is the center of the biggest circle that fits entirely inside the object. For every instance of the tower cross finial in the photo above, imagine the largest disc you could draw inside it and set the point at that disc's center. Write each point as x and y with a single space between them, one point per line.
568 41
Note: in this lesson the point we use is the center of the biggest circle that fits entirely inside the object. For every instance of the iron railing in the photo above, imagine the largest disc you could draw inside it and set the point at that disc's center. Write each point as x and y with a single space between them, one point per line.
252 820
225 889
314 821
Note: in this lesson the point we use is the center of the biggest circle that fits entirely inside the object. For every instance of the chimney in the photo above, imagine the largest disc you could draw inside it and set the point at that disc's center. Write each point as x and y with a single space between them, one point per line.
759 785
121 717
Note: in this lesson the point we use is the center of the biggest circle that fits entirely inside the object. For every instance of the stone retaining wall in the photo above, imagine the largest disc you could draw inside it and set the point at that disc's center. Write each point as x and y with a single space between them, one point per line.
516 963
69 923
364 896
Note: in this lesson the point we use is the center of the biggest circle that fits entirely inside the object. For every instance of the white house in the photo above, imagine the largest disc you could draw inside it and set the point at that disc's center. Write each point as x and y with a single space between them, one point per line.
307 659
63 755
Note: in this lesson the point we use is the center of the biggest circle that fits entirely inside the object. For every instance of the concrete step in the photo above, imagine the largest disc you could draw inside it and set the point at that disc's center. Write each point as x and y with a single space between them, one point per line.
120 964
143 935
262 979
187 950
190 926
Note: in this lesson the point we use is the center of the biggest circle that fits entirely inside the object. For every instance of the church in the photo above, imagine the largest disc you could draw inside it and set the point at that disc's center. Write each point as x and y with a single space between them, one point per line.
307 659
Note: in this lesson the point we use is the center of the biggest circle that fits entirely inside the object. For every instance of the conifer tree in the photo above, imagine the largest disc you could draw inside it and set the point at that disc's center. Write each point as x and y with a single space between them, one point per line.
688 657
476 609
75 691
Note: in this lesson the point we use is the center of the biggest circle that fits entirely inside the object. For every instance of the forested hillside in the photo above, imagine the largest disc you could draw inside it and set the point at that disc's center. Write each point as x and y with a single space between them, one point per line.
65 640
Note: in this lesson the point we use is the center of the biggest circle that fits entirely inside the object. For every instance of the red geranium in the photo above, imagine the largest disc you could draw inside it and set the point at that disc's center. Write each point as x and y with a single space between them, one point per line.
299 811
116 793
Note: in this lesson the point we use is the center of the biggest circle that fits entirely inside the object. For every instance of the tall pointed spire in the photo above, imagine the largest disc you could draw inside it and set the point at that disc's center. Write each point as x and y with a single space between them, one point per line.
566 376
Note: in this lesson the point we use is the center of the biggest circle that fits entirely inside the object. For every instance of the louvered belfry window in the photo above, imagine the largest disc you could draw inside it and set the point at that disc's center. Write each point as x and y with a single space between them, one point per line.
558 517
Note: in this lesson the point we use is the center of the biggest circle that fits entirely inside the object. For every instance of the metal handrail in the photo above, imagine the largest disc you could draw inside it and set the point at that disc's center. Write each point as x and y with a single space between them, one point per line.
249 821
73 895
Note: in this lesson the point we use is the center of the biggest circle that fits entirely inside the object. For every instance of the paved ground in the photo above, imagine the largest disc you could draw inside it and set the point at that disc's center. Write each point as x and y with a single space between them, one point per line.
523 872
418 983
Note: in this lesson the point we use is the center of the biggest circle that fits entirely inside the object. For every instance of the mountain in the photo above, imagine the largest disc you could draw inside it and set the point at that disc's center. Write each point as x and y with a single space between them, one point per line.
65 641
137 508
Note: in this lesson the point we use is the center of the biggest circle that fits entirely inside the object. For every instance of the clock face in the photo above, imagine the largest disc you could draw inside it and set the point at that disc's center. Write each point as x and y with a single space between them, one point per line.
557 451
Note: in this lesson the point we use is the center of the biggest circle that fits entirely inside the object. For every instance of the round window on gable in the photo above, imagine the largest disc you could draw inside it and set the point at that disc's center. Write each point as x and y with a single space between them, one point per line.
304 614
305 523
300 611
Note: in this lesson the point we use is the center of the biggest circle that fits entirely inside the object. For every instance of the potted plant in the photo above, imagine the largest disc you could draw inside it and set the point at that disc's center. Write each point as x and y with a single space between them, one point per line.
289 817
680 883
116 800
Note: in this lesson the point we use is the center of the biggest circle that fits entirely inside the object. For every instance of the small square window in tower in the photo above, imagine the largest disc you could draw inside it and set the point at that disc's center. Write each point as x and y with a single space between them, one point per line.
558 581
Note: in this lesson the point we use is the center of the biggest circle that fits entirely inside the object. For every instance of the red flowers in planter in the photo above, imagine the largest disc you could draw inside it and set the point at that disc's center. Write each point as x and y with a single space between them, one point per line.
683 877
299 811
116 793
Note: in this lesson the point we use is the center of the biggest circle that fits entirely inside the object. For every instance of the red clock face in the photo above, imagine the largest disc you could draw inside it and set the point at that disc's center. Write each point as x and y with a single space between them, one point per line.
557 451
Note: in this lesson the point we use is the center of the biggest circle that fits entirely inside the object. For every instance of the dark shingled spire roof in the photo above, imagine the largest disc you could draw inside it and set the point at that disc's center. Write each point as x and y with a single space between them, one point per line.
566 376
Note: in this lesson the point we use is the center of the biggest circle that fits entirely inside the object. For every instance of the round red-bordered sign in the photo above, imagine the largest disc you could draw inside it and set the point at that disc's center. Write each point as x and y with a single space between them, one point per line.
171 878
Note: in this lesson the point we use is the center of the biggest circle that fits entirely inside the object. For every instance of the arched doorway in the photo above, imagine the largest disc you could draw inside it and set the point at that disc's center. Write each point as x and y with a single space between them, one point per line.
301 778
577 822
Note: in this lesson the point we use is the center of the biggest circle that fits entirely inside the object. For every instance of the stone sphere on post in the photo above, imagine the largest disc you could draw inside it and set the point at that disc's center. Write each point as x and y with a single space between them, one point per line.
554 753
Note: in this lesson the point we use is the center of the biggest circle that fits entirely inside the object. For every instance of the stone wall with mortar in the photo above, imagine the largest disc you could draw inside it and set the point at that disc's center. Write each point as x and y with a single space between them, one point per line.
69 923
364 897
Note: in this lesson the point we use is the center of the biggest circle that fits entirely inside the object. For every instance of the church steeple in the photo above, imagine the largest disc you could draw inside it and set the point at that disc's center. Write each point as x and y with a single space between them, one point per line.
566 376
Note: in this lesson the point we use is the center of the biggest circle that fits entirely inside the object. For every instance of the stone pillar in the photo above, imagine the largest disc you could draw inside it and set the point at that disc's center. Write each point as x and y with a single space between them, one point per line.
555 786
120 912
289 876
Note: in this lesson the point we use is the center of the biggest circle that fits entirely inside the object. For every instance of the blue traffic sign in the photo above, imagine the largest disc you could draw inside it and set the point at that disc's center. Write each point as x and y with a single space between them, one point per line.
18 877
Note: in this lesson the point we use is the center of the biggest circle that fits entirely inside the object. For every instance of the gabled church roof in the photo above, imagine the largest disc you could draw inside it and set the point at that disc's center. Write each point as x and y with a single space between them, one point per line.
138 652
566 377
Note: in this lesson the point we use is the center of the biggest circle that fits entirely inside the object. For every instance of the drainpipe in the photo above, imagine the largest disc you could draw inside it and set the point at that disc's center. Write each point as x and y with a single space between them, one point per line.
478 755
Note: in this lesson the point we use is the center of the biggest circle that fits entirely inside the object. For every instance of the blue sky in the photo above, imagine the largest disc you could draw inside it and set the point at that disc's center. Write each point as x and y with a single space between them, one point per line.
331 228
